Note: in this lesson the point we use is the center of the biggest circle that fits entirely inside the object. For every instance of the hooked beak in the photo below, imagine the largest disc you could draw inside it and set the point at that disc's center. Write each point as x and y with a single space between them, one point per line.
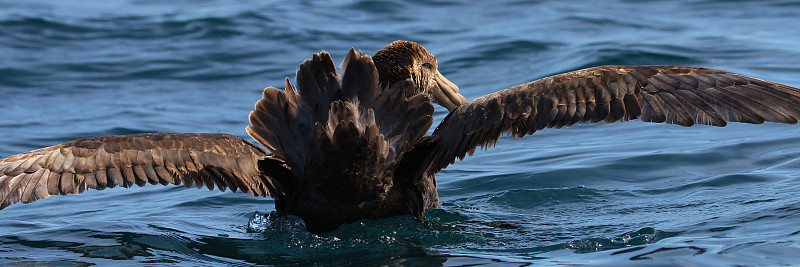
446 93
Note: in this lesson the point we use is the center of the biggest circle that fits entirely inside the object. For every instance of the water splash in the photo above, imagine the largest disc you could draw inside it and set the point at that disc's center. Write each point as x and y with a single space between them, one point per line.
273 223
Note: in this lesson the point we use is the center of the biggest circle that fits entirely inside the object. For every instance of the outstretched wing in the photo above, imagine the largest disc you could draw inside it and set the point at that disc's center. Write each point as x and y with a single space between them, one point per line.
664 94
104 162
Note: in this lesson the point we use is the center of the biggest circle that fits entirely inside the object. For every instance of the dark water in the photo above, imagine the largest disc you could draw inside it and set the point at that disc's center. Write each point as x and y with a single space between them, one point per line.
623 194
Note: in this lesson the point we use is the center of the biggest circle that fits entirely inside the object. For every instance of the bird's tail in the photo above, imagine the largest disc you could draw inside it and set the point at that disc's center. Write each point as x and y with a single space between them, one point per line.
325 118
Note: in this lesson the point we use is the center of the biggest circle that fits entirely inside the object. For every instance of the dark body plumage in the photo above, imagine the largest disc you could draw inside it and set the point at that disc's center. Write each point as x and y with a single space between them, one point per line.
343 149
339 144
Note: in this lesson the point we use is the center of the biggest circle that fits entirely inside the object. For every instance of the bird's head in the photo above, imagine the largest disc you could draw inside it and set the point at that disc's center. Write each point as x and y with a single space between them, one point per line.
403 60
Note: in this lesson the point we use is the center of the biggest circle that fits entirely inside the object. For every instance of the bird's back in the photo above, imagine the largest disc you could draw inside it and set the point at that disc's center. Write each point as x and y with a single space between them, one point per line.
341 139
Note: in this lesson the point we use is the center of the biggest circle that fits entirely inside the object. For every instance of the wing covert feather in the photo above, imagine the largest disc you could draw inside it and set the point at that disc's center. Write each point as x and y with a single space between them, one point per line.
223 160
663 94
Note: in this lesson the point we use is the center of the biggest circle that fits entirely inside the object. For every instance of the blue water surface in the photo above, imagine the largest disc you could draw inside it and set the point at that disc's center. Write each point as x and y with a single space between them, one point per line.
629 193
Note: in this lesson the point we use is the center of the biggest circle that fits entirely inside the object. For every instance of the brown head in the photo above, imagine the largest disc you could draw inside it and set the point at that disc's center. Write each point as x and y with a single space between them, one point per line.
403 60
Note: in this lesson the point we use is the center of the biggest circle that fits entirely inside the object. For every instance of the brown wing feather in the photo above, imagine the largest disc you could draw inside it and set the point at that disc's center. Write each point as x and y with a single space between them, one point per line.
102 162
664 94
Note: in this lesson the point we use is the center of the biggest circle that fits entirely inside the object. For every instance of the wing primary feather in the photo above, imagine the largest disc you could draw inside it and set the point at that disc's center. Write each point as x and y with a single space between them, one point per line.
671 94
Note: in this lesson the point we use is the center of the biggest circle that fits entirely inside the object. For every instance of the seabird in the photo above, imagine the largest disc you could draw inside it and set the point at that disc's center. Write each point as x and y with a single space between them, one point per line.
340 149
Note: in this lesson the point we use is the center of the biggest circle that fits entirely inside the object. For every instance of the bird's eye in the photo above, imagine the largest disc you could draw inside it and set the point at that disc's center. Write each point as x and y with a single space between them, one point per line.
426 65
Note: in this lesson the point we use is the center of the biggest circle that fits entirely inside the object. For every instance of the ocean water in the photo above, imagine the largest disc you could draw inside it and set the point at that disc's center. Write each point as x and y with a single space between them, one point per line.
629 193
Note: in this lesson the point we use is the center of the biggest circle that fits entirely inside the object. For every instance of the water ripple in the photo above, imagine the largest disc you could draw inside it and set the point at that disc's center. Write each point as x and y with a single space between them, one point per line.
625 193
